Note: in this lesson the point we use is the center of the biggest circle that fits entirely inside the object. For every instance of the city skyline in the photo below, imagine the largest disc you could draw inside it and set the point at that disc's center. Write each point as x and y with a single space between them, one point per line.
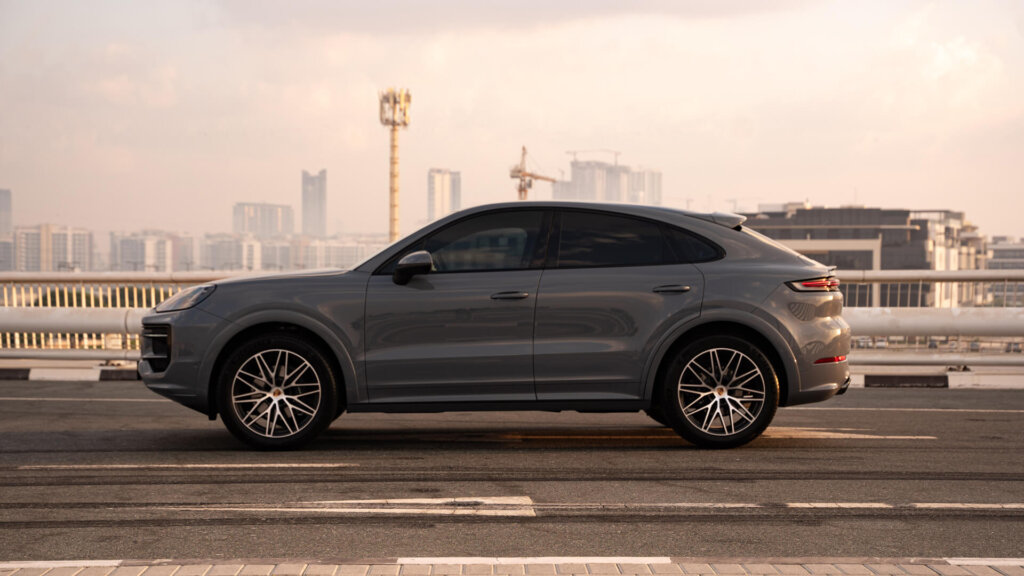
175 111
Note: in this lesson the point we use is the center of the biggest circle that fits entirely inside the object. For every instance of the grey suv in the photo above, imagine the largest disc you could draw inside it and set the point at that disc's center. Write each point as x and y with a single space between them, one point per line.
702 323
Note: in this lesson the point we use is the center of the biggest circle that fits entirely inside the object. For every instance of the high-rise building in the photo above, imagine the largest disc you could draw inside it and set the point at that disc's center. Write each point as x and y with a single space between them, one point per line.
6 255
444 193
594 181
5 214
263 220
1007 254
185 252
231 252
314 204
644 187
276 254
49 248
147 251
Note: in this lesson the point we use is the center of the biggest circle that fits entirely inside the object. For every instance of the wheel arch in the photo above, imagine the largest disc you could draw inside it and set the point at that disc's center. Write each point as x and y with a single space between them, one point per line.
758 332
269 323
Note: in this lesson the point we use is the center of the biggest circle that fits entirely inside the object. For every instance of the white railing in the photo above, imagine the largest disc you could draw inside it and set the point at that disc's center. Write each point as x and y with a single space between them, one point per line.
81 295
932 288
98 315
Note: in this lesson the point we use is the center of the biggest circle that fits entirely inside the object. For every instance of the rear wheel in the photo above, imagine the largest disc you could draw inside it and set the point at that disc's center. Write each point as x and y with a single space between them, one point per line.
277 391
720 392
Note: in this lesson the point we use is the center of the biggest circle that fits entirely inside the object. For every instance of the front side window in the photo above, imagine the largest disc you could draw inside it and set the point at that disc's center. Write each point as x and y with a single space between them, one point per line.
498 241
590 239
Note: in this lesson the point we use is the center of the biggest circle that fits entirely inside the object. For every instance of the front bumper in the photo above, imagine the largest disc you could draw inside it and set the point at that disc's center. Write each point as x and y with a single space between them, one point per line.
184 375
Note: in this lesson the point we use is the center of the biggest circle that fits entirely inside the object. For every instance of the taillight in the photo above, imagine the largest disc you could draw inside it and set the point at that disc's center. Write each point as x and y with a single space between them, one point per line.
829 284
830 360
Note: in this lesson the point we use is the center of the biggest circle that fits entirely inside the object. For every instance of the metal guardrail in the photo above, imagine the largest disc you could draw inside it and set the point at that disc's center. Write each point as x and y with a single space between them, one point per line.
1002 322
907 322
932 288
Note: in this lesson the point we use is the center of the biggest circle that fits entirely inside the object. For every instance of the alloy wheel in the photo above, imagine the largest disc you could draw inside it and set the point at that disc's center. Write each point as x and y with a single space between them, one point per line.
276 393
721 391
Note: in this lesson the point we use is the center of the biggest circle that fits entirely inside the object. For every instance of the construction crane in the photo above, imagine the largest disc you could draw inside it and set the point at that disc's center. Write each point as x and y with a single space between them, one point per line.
525 178
614 153
736 201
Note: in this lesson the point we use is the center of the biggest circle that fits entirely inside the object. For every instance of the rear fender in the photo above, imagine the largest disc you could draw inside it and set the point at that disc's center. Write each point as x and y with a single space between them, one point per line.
748 320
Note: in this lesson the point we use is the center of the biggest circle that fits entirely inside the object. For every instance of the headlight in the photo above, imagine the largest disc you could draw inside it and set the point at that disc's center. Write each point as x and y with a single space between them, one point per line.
186 299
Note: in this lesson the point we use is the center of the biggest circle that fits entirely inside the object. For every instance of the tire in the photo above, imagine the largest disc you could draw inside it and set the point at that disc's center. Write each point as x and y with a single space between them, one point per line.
277 391
720 392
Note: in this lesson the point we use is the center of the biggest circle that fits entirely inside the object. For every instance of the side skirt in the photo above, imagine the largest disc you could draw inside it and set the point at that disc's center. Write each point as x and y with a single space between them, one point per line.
547 406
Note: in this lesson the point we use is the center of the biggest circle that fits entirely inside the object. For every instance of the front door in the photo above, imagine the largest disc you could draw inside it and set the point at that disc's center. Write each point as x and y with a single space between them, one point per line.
463 332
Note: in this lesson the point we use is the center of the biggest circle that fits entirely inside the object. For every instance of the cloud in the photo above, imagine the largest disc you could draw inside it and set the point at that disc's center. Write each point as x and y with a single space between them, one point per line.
415 16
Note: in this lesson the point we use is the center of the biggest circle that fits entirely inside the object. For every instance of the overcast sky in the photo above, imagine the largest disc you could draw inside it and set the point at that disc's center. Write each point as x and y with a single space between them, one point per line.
125 115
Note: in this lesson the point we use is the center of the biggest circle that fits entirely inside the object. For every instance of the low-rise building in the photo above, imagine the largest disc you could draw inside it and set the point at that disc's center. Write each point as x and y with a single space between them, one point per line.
863 238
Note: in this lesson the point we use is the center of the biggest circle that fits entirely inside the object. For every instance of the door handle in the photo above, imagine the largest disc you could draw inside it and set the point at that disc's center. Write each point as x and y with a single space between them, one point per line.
510 295
671 289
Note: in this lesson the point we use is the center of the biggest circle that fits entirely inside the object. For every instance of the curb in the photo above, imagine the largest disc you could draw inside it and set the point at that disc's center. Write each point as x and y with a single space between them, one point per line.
947 381
70 374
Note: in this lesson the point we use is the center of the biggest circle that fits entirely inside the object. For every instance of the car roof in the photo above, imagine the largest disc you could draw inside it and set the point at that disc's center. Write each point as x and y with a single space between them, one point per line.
726 219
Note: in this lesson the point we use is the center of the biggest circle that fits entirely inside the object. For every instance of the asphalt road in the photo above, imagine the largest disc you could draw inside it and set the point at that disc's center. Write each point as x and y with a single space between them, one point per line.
108 470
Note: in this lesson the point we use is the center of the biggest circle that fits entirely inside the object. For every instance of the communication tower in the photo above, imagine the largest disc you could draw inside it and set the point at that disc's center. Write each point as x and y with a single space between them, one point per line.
394 112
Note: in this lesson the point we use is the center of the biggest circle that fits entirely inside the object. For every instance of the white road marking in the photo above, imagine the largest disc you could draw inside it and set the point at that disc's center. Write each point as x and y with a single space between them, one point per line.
465 500
65 374
60 564
771 432
837 505
985 561
182 466
521 506
540 560
436 511
851 409
833 434
968 506
524 506
71 399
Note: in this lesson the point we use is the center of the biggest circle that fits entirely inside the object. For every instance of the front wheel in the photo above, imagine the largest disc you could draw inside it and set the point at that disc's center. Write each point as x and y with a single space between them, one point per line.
720 392
277 391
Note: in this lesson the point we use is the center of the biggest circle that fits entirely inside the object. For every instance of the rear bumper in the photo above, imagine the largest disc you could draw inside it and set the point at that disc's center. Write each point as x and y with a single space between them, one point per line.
821 381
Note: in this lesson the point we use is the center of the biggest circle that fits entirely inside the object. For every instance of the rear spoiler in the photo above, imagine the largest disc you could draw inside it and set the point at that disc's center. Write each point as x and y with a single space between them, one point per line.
727 219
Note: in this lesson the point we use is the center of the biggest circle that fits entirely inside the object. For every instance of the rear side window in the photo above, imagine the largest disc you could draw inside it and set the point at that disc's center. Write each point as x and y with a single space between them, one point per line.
590 239
690 248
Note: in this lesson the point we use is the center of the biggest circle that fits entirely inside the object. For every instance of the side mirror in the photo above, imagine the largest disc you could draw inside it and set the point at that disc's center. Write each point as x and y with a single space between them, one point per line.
419 262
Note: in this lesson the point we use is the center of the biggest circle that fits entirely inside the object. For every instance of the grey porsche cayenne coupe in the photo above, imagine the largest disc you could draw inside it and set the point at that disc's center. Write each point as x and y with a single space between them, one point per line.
694 318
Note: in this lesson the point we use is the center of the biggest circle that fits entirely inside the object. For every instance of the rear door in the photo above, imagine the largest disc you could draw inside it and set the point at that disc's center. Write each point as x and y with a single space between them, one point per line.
612 287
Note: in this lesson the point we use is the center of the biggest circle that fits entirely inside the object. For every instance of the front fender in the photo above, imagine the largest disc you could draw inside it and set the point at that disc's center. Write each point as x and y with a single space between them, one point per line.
337 343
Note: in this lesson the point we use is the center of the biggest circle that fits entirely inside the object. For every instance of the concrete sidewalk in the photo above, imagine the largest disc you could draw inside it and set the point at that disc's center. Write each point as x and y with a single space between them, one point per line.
532 567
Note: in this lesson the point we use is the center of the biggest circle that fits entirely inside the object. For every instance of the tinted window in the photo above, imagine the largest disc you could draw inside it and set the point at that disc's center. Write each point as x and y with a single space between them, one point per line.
690 248
499 241
592 239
